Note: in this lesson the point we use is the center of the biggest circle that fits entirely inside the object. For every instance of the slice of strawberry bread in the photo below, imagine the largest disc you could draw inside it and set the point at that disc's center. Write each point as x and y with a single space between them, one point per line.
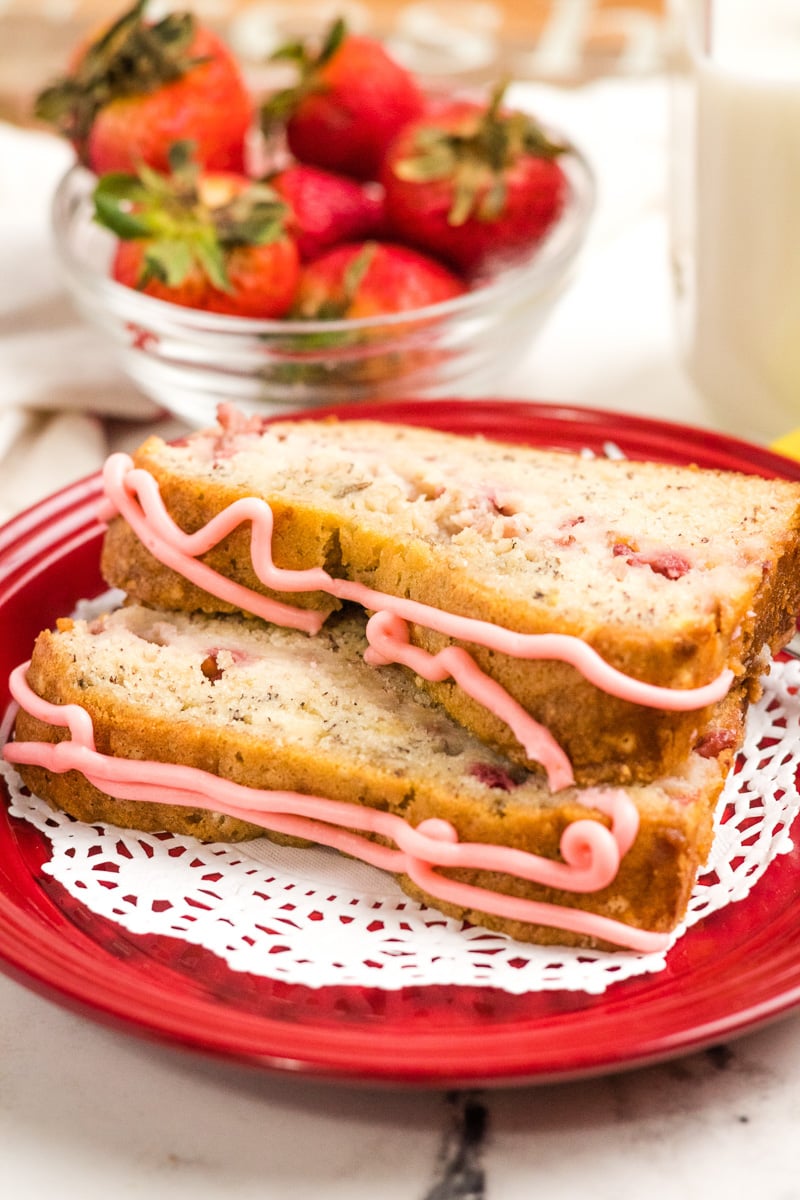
672 575
249 709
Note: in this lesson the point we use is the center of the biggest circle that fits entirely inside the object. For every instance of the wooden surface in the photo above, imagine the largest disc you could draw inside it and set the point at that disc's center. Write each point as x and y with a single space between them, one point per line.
565 40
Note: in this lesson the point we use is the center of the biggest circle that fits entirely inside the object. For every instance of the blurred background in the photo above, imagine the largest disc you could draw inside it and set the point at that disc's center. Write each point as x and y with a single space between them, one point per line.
564 41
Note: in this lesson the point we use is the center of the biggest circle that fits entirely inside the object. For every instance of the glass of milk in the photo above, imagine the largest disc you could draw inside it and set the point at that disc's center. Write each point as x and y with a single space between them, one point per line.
736 209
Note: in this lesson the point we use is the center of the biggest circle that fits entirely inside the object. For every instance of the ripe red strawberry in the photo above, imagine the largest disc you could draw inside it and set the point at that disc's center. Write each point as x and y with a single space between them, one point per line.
140 87
477 184
327 208
211 241
366 279
351 100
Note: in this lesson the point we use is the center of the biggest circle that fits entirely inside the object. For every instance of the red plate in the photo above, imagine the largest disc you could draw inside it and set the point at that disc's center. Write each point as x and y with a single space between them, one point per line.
731 972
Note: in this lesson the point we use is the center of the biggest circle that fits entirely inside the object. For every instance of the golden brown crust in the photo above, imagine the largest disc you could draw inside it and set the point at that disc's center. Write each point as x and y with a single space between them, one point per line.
128 565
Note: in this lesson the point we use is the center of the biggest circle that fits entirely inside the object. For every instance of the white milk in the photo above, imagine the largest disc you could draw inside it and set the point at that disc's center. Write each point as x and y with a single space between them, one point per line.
743 346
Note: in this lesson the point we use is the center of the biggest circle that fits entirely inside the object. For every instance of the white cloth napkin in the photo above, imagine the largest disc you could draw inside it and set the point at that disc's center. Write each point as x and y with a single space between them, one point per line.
57 379
64 403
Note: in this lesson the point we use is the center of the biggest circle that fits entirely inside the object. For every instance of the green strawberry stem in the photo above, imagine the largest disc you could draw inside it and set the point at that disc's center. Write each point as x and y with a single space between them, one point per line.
298 52
282 103
181 232
334 308
476 158
132 57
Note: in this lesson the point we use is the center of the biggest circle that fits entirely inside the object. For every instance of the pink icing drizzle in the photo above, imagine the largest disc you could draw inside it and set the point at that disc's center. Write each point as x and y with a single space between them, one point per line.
133 492
387 635
591 852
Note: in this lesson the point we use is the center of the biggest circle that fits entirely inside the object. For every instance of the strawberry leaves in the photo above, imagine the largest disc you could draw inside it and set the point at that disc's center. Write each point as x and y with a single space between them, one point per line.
349 101
475 157
299 53
477 185
132 57
336 305
181 227
281 104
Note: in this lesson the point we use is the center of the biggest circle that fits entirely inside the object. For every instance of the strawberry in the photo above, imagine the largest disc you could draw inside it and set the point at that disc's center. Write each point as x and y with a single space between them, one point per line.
350 101
327 208
477 184
212 241
140 87
362 280
365 279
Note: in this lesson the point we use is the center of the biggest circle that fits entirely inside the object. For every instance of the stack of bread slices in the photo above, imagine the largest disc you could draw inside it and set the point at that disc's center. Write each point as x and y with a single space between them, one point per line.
516 678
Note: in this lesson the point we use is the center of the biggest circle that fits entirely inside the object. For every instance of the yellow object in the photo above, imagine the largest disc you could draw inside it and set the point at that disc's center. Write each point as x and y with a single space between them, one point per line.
789 444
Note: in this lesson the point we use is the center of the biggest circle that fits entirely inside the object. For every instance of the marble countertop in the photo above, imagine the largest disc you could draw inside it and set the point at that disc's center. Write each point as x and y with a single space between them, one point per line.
86 1111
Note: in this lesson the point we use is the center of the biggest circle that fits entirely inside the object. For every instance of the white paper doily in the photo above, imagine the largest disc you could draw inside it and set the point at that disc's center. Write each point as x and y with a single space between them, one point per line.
315 918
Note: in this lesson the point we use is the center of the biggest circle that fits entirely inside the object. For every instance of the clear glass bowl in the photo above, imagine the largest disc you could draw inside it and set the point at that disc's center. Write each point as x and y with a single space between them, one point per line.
188 361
